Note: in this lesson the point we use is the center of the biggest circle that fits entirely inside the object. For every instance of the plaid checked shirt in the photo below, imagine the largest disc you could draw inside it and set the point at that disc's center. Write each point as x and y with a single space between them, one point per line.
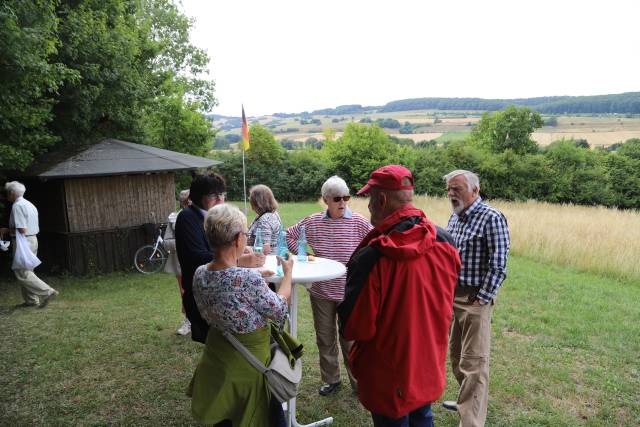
481 234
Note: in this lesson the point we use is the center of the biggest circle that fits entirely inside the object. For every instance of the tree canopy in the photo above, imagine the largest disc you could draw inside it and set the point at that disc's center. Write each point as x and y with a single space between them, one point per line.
510 128
72 72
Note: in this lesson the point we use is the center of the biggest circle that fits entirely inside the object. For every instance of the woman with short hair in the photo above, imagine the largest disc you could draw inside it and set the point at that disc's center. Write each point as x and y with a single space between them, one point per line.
225 388
205 192
334 233
268 221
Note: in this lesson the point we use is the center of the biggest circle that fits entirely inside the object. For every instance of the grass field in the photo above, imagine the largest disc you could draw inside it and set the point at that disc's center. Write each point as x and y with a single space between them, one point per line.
564 350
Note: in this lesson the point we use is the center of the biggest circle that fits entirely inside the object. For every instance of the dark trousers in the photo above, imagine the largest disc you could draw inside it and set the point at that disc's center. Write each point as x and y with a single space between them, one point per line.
421 417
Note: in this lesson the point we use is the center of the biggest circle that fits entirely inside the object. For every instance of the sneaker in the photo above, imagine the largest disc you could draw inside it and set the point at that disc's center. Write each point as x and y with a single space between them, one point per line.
450 405
185 328
48 298
327 389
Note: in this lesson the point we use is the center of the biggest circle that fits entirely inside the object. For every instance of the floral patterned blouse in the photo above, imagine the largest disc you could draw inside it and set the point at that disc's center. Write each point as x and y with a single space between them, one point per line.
269 224
236 300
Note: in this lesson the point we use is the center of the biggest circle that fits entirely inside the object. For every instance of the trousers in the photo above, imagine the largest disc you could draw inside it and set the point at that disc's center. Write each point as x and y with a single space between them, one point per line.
32 286
325 324
469 349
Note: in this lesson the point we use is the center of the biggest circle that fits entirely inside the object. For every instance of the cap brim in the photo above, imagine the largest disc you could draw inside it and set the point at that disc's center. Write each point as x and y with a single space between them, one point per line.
364 190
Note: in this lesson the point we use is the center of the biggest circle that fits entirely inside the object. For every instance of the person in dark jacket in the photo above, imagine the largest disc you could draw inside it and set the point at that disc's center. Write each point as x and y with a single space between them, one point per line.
206 191
398 304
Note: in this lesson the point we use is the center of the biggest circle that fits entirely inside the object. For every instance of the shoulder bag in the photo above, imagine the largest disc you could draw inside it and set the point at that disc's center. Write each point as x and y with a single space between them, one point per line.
283 373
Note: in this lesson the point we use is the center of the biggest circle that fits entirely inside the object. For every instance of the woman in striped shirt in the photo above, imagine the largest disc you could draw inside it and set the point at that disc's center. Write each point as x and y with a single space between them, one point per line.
334 234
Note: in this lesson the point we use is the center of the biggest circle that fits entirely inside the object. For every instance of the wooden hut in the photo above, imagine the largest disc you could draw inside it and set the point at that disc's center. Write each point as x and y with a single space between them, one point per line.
92 202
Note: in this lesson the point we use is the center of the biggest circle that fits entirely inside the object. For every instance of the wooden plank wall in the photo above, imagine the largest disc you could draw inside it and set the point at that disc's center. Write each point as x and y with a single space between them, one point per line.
104 203
90 253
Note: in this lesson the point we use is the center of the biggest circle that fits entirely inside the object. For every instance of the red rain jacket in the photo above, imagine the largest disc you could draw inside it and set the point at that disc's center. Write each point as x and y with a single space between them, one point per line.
399 315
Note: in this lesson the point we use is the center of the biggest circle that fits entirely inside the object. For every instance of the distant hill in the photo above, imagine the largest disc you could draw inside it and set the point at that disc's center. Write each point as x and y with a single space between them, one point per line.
623 103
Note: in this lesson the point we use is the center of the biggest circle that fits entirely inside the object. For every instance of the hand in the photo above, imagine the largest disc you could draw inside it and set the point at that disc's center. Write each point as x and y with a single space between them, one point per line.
247 250
266 273
266 248
251 260
287 265
479 302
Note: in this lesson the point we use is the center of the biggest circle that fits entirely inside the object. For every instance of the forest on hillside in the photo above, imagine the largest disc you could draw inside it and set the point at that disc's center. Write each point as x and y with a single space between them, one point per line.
624 103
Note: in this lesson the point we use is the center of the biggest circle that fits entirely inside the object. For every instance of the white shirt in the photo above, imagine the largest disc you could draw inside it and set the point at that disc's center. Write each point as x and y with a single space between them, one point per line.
24 215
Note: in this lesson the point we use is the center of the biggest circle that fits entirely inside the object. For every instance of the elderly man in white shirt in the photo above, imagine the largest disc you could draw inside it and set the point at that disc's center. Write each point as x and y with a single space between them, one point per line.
24 220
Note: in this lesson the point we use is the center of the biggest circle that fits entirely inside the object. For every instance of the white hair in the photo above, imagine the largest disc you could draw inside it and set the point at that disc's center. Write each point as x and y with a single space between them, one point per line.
184 195
334 186
222 224
16 188
471 178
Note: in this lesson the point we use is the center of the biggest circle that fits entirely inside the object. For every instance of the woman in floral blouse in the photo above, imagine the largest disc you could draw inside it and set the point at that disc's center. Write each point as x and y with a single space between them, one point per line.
267 220
225 388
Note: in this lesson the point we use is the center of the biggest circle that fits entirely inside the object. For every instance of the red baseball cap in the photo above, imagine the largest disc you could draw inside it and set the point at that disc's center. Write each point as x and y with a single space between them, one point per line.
388 178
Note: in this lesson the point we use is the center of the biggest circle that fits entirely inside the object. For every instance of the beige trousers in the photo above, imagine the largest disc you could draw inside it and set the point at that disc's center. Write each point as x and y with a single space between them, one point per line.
31 285
327 338
469 348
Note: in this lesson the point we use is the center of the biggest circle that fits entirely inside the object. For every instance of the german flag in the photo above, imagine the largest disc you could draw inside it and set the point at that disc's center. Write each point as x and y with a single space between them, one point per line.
245 132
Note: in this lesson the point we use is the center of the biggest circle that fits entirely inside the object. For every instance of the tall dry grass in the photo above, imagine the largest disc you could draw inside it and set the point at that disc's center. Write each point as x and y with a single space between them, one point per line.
594 239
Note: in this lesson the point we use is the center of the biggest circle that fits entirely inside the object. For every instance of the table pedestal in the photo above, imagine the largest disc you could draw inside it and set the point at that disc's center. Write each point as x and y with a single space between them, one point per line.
293 330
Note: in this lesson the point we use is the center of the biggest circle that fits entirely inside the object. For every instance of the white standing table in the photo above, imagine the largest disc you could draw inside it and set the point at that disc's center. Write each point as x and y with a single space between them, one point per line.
304 273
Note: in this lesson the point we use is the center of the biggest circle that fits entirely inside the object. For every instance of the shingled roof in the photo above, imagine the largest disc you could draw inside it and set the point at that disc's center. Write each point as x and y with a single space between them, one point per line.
113 157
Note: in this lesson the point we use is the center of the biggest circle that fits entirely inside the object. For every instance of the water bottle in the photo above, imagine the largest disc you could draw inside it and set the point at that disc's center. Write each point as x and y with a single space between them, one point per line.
302 245
257 243
282 250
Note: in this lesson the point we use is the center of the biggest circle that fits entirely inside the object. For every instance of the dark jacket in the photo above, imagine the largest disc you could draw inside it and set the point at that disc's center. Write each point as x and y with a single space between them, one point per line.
193 251
398 306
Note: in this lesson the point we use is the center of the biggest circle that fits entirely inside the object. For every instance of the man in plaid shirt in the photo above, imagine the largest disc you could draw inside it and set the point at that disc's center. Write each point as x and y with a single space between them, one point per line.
481 235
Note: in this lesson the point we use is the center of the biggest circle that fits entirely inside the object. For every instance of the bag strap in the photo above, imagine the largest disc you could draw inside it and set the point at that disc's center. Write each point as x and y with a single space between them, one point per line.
253 361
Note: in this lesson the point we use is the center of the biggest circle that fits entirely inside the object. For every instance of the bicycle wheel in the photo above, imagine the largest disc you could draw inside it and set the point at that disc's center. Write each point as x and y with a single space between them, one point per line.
149 260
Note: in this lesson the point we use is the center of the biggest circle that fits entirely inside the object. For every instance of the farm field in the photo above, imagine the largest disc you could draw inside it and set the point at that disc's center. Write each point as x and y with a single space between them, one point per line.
564 352
447 125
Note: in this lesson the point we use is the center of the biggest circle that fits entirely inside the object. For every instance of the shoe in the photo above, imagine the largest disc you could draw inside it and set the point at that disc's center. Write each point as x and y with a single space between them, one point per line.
26 305
327 389
450 405
48 298
185 328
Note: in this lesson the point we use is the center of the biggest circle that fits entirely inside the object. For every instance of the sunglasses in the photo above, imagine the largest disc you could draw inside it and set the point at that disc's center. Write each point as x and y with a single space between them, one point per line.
338 198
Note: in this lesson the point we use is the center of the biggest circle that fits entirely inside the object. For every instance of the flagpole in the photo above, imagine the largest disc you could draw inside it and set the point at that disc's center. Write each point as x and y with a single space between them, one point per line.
245 147
244 184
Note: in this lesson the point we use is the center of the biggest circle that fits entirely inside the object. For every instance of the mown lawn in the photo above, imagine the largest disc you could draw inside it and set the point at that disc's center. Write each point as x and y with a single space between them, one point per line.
564 353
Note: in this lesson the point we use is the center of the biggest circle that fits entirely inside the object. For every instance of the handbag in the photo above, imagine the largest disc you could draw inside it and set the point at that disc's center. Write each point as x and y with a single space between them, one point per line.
24 259
284 372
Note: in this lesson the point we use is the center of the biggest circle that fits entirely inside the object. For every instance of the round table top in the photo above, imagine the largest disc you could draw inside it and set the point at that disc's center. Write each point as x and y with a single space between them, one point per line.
307 272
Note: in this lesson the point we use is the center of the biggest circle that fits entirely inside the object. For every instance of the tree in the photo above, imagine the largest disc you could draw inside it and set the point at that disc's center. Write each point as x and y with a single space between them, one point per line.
29 80
359 151
74 71
264 149
510 128
631 148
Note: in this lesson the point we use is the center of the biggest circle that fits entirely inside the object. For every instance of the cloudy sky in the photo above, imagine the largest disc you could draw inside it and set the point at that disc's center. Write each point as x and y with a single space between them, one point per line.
293 56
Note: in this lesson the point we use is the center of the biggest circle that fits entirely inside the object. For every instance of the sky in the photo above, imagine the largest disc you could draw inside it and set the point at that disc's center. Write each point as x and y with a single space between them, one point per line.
293 56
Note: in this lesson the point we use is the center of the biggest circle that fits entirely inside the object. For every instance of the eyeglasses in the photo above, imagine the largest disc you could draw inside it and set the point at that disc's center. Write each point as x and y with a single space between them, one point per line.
338 198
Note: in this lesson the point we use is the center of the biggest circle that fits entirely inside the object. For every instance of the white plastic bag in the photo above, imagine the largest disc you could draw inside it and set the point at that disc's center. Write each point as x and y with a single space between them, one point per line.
24 259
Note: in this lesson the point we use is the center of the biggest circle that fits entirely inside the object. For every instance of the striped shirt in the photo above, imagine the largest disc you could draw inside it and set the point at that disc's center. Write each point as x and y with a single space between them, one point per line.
481 234
333 238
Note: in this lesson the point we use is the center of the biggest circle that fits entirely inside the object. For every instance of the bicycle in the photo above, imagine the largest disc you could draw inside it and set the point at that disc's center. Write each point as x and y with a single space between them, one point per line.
150 259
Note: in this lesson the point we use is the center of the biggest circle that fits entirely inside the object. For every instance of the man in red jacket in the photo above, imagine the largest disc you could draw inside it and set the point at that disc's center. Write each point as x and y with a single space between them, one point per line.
398 304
